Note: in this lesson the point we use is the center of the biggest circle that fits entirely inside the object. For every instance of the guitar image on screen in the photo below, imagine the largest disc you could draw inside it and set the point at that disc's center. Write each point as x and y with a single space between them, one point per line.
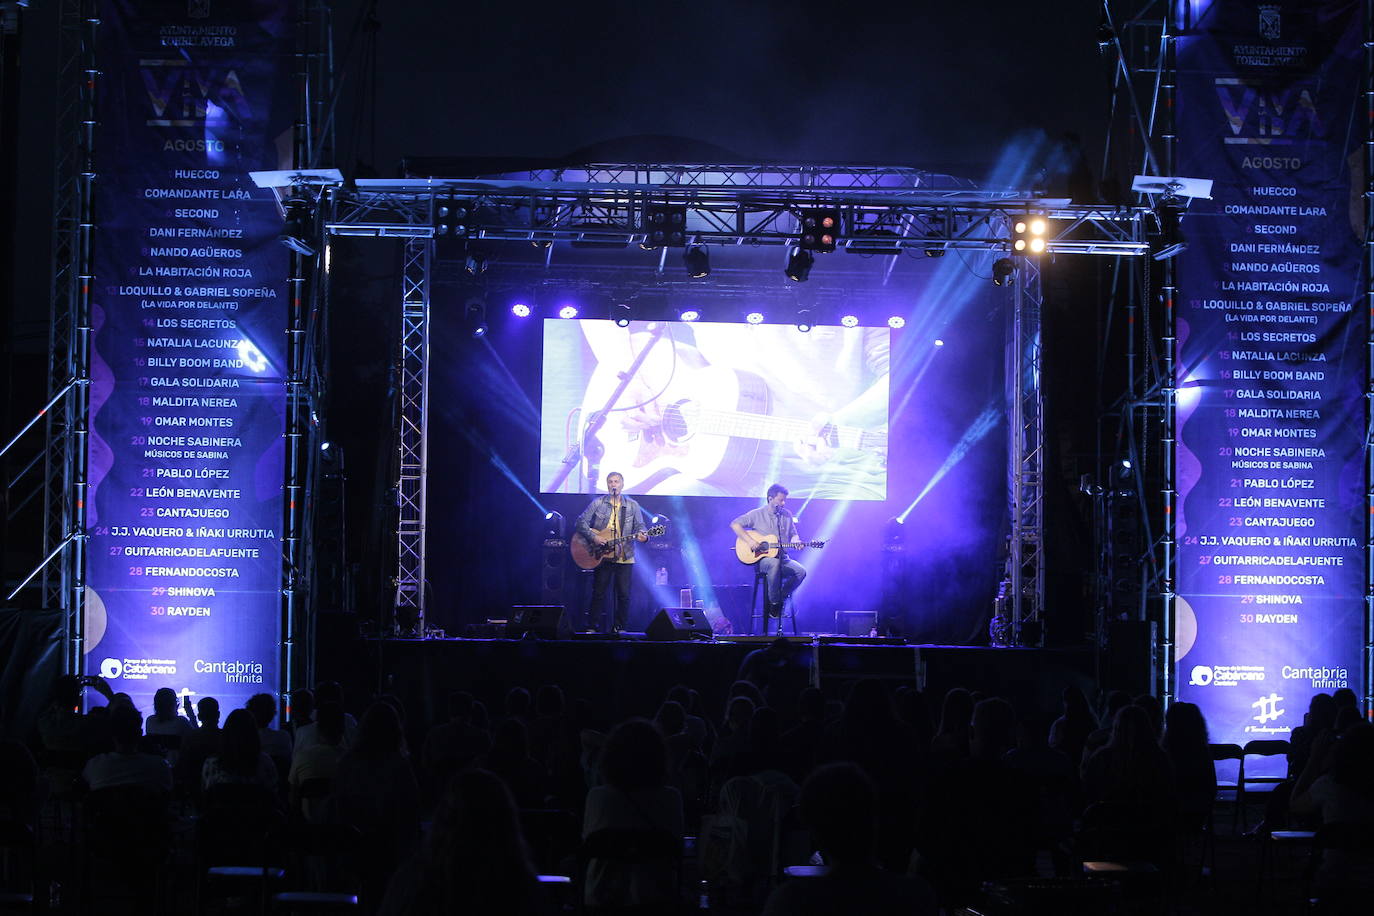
715 425
751 554
588 555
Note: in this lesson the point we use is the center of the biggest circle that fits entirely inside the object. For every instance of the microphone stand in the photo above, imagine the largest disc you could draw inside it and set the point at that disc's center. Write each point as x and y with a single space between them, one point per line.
589 446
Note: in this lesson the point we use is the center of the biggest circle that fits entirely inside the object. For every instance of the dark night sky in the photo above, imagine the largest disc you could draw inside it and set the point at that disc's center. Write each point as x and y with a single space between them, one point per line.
940 86
913 84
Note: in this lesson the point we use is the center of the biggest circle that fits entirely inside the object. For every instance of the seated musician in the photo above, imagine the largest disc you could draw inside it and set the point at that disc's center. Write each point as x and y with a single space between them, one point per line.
781 574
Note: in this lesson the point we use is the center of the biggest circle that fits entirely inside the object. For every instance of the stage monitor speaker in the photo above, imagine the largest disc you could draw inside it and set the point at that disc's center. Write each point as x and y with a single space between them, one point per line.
541 621
672 623
856 623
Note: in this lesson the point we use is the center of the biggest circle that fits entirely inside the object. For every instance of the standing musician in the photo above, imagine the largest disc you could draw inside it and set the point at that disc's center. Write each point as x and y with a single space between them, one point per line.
606 518
773 518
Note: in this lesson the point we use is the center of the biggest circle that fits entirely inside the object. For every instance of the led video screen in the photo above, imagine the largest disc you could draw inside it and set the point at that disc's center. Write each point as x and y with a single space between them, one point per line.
714 409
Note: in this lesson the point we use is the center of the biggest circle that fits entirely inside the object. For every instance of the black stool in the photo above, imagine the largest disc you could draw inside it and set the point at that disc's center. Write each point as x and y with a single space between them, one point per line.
758 607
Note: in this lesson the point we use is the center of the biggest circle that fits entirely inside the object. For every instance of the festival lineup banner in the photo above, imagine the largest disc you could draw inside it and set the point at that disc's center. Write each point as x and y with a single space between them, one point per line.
189 318
1272 363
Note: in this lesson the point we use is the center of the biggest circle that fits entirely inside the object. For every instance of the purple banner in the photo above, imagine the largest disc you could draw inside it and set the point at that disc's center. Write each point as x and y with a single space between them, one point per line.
1272 363
189 313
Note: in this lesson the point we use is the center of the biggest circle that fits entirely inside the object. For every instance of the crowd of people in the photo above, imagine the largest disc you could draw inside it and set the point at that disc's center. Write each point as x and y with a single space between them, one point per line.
893 806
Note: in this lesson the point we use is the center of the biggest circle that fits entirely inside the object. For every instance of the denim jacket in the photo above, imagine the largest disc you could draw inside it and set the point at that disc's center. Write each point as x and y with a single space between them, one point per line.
598 515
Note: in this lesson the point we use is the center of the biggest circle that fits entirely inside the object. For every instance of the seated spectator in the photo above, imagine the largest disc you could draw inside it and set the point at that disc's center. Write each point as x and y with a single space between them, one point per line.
375 790
62 729
697 725
453 745
276 743
509 758
951 738
544 729
127 764
803 744
1099 737
326 692
318 761
1320 717
634 797
240 760
201 744
1195 776
1336 787
978 818
302 711
839 805
733 738
166 723
1077 725
1131 767
474 860
1049 774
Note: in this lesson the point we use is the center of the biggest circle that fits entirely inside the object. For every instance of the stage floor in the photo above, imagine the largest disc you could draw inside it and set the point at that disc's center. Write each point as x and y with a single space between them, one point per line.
630 676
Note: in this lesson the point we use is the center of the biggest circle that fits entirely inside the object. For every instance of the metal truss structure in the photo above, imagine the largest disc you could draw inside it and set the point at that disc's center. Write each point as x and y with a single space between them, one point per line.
412 439
61 575
1145 415
1026 458
882 211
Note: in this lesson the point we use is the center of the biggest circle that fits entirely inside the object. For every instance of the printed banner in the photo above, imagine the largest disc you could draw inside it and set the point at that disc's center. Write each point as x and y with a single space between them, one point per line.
1272 364
189 313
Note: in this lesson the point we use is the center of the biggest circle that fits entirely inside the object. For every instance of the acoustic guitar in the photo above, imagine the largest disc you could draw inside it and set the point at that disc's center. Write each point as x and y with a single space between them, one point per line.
588 554
748 553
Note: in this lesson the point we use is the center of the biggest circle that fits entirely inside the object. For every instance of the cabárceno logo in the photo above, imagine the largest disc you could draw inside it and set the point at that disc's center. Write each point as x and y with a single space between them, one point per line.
136 669
235 671
1224 675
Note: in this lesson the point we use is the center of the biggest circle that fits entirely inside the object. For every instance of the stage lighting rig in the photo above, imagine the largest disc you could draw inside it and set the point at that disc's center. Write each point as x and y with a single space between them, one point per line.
298 228
554 526
799 264
698 262
805 321
754 318
820 228
896 321
1166 236
665 225
450 217
520 310
1003 269
1028 234
568 311
475 317
850 321
689 315
620 314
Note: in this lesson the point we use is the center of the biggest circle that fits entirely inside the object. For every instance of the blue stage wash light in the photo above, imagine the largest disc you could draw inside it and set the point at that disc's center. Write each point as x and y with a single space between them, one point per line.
754 318
324 446
689 315
850 321
939 342
620 314
568 311
520 310
896 321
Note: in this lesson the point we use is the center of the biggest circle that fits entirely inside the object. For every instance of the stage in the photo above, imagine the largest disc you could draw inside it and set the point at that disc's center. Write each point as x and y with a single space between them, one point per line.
630 676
